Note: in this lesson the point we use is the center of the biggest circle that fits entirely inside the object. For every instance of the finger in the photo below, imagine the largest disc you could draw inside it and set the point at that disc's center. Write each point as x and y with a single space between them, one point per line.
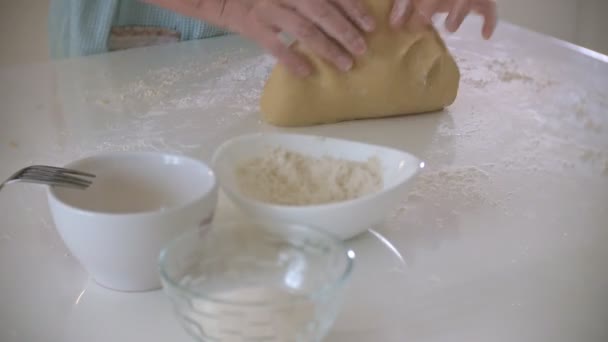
268 38
332 22
457 14
398 13
357 12
487 8
286 19
490 19
423 14
409 12
292 60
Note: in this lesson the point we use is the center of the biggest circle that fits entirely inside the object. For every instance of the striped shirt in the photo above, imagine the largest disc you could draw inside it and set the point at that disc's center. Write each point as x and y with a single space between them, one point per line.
84 27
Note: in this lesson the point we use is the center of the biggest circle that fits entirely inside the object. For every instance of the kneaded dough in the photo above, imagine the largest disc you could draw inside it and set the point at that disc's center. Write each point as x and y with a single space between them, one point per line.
402 73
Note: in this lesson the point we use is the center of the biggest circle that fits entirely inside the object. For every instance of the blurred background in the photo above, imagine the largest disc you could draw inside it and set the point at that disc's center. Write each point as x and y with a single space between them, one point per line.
23 24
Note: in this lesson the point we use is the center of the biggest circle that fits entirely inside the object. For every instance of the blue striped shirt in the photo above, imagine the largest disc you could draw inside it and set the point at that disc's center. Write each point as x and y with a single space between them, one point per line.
82 27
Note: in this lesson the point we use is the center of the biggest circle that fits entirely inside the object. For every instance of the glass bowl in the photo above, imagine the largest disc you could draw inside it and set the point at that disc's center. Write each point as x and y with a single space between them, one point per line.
244 281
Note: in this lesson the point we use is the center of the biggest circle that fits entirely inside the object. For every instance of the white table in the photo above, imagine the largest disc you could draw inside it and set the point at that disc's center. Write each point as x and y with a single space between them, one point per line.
503 238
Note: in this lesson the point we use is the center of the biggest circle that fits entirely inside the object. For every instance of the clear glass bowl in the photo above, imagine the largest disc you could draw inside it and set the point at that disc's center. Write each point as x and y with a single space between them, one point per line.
238 281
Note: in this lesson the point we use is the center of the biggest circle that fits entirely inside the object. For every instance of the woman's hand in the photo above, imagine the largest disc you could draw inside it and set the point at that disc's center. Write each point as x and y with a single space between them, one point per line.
419 13
332 29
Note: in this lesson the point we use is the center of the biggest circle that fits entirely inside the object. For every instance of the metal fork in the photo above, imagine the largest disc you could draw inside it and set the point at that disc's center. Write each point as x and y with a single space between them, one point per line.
50 175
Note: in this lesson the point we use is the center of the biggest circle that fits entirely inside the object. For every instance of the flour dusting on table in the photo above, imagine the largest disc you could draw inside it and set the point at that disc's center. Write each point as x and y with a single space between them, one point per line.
189 86
160 108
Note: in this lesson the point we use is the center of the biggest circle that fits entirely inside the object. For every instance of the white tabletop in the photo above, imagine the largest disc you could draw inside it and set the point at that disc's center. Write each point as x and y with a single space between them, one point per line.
502 239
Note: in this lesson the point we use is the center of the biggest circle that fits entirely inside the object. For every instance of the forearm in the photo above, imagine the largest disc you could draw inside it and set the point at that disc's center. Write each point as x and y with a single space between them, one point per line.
211 11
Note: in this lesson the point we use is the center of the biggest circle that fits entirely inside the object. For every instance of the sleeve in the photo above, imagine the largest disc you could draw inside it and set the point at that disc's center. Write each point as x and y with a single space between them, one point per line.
80 27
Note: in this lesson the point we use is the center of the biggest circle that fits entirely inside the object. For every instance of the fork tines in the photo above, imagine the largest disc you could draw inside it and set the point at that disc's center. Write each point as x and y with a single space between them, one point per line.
56 175
62 170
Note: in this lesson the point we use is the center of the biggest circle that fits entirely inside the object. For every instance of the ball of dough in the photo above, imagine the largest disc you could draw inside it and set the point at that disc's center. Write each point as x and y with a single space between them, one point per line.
402 73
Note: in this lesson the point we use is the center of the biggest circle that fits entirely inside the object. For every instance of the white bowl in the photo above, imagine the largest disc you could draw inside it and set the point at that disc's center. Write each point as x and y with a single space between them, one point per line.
343 219
137 204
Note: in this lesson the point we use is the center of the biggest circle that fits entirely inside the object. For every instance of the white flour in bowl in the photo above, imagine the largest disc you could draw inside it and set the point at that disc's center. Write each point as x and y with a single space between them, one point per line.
290 178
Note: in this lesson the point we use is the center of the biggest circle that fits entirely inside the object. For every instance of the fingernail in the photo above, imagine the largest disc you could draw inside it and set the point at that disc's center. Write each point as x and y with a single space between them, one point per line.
368 24
360 46
345 63
394 20
450 24
303 70
398 12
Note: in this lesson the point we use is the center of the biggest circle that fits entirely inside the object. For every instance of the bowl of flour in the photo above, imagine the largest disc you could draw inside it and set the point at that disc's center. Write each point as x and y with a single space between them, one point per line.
344 187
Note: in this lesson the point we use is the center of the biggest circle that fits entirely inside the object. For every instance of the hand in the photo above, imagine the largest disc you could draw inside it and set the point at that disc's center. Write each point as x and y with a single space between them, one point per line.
419 13
332 29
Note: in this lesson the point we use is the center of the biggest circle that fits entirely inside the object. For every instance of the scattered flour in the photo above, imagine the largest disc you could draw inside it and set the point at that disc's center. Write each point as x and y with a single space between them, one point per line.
176 109
163 97
476 83
438 199
290 178
462 185
190 86
595 158
584 115
510 76
499 71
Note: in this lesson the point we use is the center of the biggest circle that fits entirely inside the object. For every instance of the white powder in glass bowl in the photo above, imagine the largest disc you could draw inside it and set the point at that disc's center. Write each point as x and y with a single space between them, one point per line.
289 178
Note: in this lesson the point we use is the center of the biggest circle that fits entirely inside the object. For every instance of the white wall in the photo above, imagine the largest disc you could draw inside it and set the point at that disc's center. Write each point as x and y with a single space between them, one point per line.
23 31
592 26
579 21
23 24
554 17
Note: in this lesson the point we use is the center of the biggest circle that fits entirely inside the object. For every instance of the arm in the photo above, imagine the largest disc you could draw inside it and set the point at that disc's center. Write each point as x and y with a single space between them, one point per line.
330 28
211 11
